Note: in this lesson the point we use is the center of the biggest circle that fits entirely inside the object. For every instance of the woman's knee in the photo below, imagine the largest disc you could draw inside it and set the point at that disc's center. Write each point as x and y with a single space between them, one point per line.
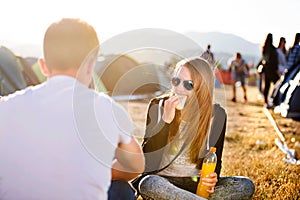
150 182
244 183
150 186
157 187
248 185
234 187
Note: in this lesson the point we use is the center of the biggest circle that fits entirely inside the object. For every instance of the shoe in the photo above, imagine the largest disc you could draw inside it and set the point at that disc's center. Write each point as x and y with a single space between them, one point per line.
233 99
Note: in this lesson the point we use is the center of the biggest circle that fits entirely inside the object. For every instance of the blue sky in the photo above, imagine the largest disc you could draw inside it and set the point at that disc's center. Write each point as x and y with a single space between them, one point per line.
25 21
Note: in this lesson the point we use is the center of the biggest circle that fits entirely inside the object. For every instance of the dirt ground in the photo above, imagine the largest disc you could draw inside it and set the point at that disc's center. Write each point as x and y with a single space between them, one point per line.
249 148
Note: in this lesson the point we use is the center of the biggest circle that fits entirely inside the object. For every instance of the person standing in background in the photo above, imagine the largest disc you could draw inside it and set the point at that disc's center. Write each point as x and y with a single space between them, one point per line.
294 54
260 77
281 51
239 69
270 58
209 56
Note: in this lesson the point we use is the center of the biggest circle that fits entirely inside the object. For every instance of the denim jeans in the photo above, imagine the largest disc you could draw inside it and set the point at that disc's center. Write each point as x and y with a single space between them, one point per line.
120 190
168 188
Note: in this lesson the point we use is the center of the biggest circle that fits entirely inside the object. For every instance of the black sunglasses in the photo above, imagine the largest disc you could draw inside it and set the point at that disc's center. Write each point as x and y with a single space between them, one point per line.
188 85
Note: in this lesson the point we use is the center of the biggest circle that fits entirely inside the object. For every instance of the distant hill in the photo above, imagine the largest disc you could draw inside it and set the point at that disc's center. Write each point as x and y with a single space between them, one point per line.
151 41
155 45
226 43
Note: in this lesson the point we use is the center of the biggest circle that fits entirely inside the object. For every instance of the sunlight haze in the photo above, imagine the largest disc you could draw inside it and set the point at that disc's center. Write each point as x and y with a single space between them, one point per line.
24 22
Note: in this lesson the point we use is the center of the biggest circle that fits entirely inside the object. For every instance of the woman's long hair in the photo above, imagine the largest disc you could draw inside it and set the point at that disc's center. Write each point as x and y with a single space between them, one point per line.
268 44
282 42
296 41
198 110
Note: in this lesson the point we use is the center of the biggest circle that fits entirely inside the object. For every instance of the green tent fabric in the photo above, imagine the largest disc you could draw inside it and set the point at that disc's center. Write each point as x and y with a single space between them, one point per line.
98 84
37 70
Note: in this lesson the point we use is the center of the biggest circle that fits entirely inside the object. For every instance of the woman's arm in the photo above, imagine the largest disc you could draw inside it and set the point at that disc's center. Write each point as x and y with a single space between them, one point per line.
221 120
156 136
219 145
218 130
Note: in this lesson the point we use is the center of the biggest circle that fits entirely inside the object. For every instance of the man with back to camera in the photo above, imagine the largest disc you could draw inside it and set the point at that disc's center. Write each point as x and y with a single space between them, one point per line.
66 141
209 56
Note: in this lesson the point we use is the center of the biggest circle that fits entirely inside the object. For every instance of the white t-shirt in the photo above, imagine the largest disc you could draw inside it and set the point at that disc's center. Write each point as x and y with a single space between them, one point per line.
282 64
57 141
181 166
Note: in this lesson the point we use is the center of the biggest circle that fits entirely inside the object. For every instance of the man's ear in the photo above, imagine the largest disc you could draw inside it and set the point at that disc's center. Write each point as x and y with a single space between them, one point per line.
91 65
43 67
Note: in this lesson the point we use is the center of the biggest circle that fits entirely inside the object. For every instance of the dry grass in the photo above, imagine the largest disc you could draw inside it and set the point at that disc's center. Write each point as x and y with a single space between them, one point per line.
263 163
243 156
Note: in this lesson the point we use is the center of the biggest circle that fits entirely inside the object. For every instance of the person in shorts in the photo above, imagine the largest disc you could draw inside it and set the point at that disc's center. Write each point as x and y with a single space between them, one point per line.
239 69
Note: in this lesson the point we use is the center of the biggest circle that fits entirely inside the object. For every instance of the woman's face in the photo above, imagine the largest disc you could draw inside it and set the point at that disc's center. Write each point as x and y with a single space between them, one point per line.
182 82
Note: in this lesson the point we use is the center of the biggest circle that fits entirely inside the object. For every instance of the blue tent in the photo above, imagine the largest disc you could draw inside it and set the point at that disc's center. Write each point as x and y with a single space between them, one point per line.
286 95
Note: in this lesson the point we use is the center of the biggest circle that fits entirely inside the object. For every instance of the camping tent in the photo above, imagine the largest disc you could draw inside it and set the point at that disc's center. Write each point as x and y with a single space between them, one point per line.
286 95
122 75
15 72
27 72
11 78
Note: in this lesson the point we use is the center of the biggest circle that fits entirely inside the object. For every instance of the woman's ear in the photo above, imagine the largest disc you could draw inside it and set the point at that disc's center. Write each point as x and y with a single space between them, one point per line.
43 67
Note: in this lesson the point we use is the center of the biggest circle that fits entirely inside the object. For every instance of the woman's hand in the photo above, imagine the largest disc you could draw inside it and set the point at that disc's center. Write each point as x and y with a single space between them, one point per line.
169 109
210 180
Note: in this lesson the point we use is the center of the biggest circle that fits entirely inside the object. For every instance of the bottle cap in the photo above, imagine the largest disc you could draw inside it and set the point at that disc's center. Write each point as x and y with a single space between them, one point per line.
213 149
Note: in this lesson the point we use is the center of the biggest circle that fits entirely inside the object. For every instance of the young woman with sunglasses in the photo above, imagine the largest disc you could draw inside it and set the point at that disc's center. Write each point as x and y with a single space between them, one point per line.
176 140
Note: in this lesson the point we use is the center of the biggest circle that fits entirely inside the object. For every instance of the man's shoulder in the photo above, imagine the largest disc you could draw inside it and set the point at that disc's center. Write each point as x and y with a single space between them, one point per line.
101 96
207 53
18 100
233 62
18 95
